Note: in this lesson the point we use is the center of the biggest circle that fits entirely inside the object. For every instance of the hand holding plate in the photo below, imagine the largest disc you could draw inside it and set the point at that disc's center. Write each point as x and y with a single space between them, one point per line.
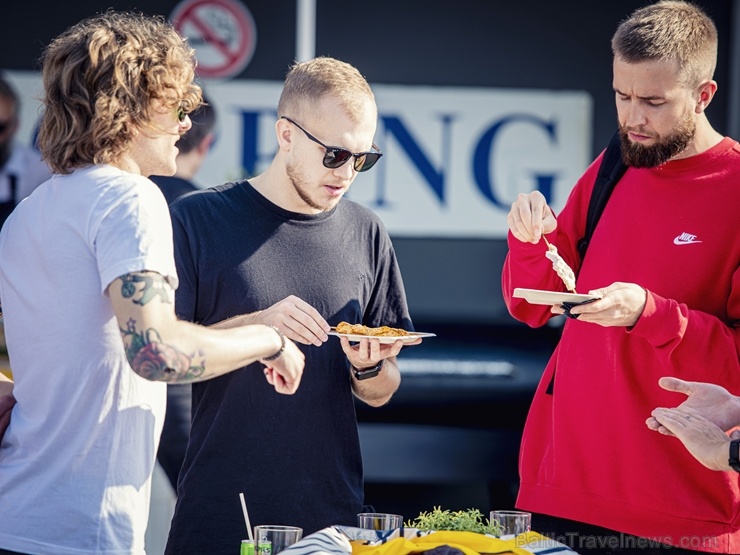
621 304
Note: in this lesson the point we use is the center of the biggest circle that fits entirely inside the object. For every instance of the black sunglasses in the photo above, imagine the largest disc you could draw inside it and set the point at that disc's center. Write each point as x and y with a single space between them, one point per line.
335 157
181 114
5 124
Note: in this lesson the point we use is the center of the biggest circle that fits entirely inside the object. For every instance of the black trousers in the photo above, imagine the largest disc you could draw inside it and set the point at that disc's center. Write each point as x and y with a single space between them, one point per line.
587 539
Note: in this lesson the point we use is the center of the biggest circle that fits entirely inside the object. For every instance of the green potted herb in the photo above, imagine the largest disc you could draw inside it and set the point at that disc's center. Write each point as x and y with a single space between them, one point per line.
470 520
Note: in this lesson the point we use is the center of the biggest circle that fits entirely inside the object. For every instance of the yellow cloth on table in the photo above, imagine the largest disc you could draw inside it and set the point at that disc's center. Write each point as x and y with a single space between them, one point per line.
469 543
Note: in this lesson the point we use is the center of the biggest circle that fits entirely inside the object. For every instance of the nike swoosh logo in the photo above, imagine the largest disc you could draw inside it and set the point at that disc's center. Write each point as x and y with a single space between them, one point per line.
679 241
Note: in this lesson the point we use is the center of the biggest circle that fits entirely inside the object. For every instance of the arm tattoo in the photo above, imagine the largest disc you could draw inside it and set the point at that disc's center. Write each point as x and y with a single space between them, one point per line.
155 360
142 288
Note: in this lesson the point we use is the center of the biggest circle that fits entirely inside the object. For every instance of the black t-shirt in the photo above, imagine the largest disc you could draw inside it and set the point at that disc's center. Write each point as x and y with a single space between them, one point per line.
295 457
173 187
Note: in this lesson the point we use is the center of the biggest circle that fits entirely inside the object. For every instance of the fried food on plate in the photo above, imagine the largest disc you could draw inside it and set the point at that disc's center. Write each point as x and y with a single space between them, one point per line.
561 267
359 329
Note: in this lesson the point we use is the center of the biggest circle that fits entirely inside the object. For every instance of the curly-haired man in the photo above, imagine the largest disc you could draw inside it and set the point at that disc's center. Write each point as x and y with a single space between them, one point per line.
87 285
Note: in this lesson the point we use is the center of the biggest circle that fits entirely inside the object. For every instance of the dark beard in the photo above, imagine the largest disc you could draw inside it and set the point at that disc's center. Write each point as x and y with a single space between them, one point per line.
639 156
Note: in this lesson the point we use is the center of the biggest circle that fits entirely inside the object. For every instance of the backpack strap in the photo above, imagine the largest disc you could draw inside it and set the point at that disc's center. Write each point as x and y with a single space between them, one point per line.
611 170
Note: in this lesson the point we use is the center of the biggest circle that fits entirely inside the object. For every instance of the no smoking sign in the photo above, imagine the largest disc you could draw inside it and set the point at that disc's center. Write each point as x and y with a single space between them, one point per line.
222 32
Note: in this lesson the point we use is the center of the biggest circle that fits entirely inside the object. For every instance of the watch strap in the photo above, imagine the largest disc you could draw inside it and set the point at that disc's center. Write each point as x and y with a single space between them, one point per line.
734 452
365 373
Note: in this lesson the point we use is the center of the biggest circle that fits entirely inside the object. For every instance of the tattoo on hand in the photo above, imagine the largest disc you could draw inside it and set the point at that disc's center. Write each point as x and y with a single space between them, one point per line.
154 360
154 285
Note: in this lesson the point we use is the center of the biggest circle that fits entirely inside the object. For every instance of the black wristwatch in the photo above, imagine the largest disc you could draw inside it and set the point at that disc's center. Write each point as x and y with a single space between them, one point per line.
366 373
734 460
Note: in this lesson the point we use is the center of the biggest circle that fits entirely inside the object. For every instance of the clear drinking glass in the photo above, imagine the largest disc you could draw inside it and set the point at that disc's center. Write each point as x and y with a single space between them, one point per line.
379 521
512 522
279 537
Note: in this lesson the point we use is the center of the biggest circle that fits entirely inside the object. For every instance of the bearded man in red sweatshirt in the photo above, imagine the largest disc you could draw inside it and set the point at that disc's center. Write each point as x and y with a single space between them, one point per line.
665 262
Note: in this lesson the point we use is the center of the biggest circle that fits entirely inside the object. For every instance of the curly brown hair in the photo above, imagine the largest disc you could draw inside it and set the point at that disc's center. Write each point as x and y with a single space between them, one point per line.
100 77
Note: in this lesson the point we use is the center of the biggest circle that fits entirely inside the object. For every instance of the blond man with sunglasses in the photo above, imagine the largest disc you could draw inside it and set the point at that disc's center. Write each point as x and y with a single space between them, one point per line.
87 283
285 248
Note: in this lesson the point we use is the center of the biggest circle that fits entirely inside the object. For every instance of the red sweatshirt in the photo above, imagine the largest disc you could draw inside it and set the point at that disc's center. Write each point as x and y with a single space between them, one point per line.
586 452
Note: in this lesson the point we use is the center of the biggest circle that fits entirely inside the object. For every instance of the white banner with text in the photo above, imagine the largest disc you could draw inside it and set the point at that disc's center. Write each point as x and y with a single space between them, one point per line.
455 158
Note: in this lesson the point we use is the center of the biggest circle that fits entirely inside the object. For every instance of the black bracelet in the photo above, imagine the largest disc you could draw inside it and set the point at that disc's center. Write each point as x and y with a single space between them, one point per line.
282 344
366 373
734 460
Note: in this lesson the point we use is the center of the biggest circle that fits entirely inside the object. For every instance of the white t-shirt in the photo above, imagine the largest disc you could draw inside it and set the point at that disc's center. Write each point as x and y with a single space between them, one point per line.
77 459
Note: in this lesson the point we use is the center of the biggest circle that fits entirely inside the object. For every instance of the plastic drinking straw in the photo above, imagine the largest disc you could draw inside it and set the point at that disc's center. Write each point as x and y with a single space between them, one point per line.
246 516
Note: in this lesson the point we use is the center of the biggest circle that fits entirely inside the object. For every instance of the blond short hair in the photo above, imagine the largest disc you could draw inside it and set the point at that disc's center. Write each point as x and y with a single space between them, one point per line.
670 30
100 77
308 82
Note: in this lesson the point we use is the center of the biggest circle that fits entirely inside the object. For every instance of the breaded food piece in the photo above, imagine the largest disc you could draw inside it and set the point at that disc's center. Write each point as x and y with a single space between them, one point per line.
359 329
563 270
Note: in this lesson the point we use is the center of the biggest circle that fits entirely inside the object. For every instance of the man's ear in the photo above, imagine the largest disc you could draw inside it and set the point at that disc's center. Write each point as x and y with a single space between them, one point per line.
706 93
283 132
